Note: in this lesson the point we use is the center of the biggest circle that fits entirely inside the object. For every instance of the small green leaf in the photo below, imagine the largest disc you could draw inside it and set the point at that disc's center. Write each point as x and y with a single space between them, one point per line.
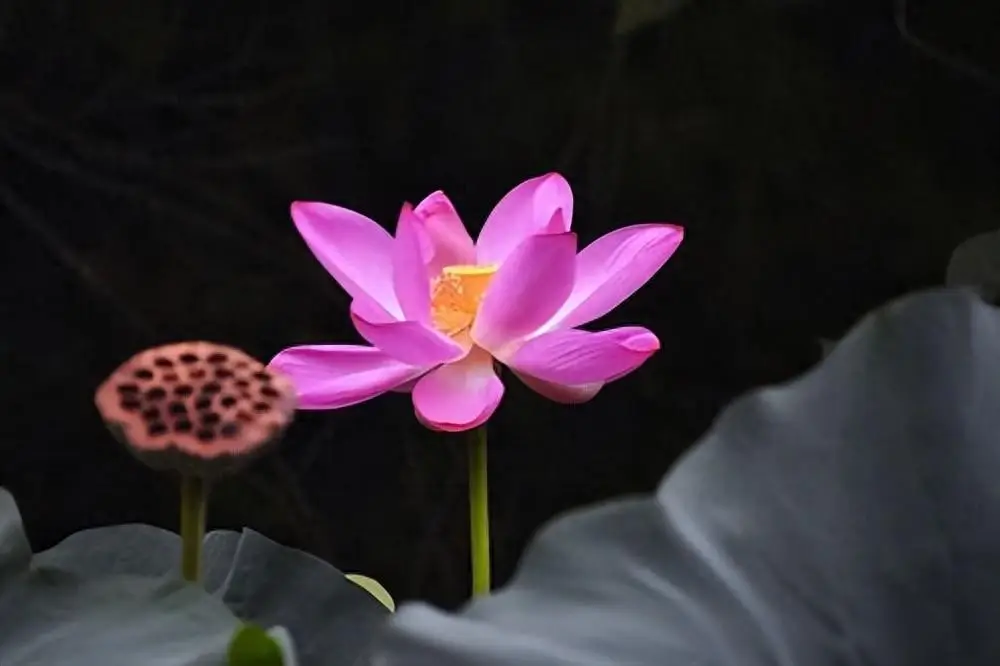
374 588
252 646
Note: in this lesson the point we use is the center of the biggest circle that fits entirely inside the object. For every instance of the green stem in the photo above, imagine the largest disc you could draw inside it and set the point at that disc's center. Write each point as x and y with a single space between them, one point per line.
479 513
194 498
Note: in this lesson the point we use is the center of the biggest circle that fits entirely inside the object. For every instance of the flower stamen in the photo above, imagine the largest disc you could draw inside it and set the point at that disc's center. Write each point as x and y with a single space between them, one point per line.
455 297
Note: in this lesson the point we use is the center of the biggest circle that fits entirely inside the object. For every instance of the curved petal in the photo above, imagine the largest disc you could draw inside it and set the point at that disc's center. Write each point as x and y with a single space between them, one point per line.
355 250
410 279
561 393
408 341
527 290
447 239
574 357
613 267
335 376
529 209
459 396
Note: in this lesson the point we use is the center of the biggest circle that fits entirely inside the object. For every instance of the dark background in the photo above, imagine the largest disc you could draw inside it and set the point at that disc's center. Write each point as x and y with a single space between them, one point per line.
823 157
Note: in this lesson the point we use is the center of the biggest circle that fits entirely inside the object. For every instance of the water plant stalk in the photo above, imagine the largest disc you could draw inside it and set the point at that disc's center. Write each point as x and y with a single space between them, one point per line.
479 513
194 500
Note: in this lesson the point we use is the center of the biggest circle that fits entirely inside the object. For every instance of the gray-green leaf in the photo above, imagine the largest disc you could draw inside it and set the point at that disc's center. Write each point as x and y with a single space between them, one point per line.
111 596
53 617
848 518
331 619
976 263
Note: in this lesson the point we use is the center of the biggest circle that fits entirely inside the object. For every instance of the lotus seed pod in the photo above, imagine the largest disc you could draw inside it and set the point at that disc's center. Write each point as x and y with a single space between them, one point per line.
196 407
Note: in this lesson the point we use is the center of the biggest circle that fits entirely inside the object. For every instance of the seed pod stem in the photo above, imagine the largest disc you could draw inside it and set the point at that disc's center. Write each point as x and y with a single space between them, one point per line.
194 503
200 409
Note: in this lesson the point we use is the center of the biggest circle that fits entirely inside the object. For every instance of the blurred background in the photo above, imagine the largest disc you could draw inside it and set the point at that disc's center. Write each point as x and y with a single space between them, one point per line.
823 156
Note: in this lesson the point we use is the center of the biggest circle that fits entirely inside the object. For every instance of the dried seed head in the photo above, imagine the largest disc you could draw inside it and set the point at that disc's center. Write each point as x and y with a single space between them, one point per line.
196 407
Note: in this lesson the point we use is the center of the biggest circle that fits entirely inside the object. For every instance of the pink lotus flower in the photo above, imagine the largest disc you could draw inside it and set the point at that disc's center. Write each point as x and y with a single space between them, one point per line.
437 308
